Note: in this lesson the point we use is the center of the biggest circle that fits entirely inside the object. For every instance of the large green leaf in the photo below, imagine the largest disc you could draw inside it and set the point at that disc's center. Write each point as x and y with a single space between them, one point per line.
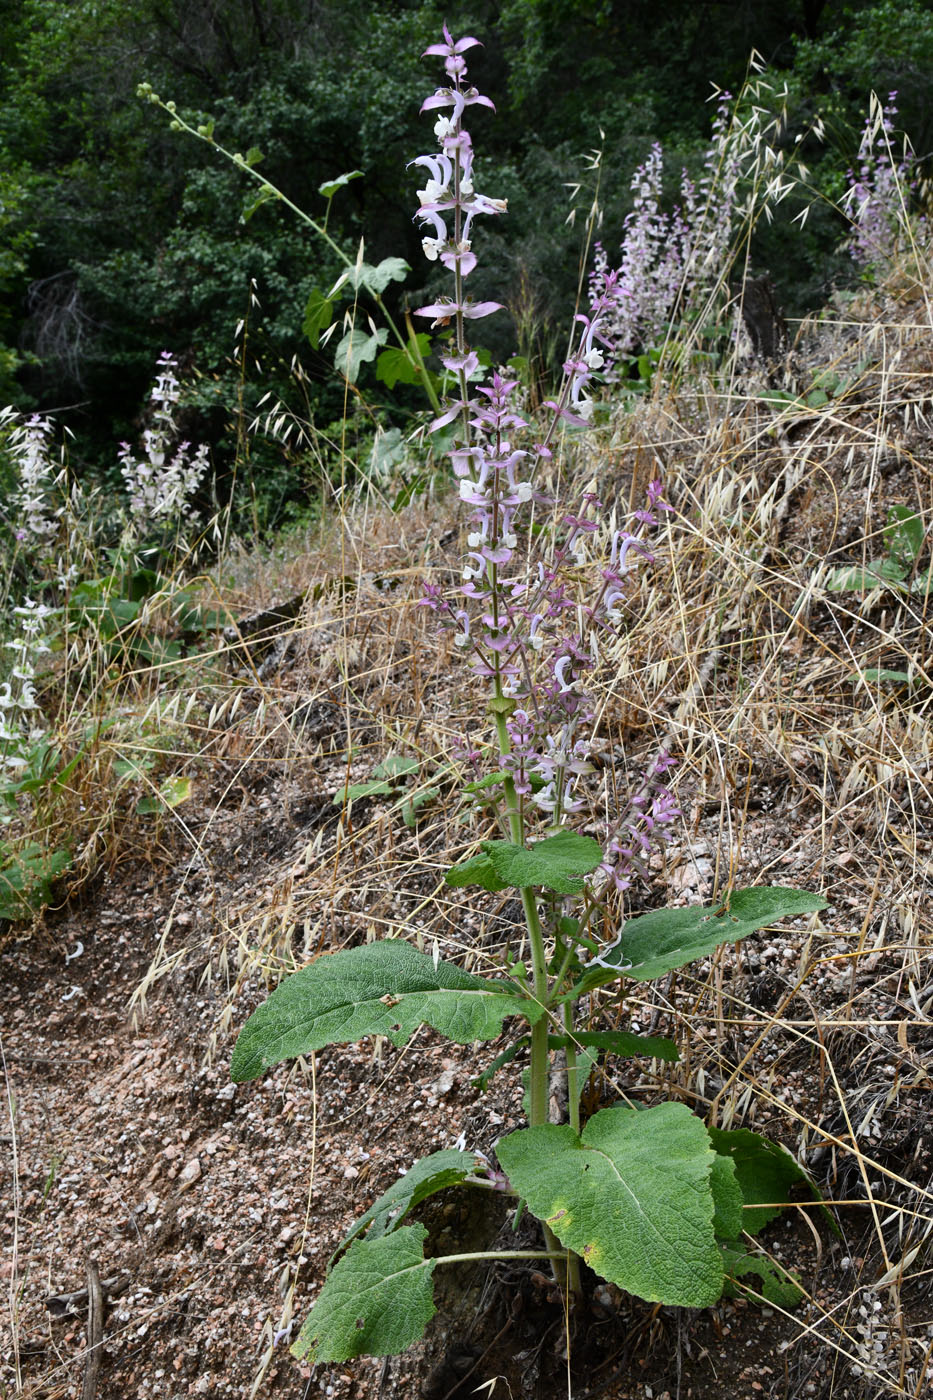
425 1178
632 1196
727 1198
556 863
664 939
376 1301
386 988
765 1172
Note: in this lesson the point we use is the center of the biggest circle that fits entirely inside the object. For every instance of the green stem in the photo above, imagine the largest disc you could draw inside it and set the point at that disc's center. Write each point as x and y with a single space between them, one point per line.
573 1072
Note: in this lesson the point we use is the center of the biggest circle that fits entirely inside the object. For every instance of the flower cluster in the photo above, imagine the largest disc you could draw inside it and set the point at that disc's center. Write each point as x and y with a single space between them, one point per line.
37 522
668 255
874 198
525 633
161 483
19 708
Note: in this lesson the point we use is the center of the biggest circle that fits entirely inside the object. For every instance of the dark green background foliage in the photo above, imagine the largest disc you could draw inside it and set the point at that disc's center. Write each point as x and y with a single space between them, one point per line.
119 238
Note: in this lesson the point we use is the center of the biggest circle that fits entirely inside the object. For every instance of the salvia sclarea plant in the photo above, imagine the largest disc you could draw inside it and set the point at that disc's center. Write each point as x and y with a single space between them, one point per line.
649 1198
669 255
877 194
161 481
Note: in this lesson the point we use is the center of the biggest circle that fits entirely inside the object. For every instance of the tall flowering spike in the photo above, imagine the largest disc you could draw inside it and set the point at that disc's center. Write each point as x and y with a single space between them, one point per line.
160 483
449 201
524 632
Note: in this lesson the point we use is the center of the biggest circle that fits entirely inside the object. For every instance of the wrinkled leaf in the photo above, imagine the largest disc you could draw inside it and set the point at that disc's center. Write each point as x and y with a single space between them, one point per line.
631 1195
385 988
727 1198
765 1172
558 862
376 1301
665 939
478 870
425 1178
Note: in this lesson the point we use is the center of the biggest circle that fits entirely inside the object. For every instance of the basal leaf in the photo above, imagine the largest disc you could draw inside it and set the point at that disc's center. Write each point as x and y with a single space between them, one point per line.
874 675
425 1178
664 939
377 1300
727 1198
557 863
172 792
631 1195
765 1172
385 988
354 790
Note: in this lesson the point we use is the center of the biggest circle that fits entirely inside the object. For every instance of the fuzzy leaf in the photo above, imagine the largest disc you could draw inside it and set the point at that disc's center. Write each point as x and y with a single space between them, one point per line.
425 1178
631 1195
765 1172
664 939
727 1197
386 988
558 862
478 870
377 1300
